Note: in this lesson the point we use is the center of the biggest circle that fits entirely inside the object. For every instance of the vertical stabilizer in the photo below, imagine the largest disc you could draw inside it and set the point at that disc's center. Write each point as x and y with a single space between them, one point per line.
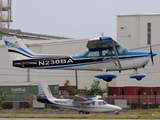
16 49
44 91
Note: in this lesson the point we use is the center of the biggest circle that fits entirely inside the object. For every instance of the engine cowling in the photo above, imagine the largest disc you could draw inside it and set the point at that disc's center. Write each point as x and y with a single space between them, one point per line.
106 76
138 76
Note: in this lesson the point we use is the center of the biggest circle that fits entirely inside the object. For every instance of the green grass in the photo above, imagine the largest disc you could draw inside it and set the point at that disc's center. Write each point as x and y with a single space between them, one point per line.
50 113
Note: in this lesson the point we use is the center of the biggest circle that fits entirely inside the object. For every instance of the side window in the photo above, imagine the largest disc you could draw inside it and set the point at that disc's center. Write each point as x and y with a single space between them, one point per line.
104 102
93 103
108 52
93 54
105 52
99 103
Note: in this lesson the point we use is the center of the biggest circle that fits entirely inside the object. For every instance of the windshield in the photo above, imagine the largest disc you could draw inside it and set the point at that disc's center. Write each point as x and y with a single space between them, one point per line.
104 102
105 52
121 49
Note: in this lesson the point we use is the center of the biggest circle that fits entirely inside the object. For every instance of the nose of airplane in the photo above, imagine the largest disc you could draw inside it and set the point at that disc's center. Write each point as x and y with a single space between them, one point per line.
118 108
154 54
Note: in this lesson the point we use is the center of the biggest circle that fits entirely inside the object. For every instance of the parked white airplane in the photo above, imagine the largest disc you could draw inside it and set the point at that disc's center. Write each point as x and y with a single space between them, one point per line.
103 54
81 104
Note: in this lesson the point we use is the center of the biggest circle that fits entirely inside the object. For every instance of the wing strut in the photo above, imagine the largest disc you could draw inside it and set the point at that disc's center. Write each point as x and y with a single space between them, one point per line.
114 48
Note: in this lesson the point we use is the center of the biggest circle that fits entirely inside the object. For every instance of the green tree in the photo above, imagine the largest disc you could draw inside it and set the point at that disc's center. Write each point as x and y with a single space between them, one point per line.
69 88
2 97
95 89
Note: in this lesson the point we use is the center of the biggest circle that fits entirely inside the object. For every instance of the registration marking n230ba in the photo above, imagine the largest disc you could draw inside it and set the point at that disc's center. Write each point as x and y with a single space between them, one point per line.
55 62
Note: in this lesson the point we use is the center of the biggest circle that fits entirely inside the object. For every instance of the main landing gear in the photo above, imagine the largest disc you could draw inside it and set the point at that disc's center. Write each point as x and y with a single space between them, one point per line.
82 112
106 76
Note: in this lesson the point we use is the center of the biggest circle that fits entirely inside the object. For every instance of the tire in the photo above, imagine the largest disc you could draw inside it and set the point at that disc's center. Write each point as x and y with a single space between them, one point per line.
107 79
81 112
139 79
86 112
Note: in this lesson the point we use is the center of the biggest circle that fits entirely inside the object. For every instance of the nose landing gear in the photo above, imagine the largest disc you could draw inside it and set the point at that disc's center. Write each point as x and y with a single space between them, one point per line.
137 76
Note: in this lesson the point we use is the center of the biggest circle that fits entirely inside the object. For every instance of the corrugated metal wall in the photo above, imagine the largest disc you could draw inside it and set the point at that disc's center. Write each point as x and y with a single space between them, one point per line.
26 90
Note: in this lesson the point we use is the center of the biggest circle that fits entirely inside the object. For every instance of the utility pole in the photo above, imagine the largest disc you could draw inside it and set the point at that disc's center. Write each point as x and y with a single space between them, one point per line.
76 77
28 75
28 71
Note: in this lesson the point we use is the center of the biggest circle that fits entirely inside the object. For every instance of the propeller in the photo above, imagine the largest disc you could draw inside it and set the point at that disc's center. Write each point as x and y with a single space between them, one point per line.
151 54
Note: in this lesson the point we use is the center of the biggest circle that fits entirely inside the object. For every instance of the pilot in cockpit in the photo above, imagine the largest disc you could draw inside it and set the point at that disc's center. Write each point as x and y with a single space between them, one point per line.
109 51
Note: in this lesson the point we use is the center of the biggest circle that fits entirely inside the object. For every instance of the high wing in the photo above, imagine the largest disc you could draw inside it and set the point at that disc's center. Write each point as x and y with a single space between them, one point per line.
102 43
79 99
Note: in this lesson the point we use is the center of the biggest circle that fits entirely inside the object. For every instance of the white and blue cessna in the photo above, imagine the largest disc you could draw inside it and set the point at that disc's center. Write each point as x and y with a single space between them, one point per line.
78 103
103 54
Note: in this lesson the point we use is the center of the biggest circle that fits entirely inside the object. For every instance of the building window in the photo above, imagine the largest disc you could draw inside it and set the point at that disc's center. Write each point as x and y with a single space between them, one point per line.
148 33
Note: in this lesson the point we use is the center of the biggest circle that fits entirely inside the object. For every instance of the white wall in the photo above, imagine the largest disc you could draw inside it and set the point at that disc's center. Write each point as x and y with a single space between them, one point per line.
132 29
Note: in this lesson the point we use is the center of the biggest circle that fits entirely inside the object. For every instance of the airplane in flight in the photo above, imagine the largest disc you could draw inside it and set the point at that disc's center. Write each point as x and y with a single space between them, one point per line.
78 103
104 54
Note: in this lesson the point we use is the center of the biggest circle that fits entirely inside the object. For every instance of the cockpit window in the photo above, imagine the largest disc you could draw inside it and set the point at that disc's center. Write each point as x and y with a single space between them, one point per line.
93 103
104 102
93 54
100 103
121 49
108 51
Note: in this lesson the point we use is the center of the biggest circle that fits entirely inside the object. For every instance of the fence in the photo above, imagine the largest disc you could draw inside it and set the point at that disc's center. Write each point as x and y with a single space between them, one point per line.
137 101
18 101
132 101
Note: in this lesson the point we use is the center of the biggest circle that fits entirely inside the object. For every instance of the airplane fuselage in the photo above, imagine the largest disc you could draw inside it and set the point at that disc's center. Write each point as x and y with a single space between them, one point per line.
93 106
103 54
84 62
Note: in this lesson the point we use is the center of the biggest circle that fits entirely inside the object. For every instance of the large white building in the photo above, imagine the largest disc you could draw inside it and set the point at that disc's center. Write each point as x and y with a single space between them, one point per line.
138 32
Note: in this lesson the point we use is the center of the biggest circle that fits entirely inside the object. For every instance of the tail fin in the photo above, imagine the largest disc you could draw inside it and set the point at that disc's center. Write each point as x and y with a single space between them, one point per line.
17 49
44 91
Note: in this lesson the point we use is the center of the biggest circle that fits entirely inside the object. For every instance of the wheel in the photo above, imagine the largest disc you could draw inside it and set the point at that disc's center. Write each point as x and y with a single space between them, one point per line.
139 79
116 113
81 112
86 112
107 79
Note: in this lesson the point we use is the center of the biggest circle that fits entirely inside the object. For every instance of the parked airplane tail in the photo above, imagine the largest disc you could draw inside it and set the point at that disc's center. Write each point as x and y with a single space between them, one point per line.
16 49
44 91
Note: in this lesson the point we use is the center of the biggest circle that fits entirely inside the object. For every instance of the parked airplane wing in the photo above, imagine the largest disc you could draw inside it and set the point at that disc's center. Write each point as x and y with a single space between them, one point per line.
79 99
